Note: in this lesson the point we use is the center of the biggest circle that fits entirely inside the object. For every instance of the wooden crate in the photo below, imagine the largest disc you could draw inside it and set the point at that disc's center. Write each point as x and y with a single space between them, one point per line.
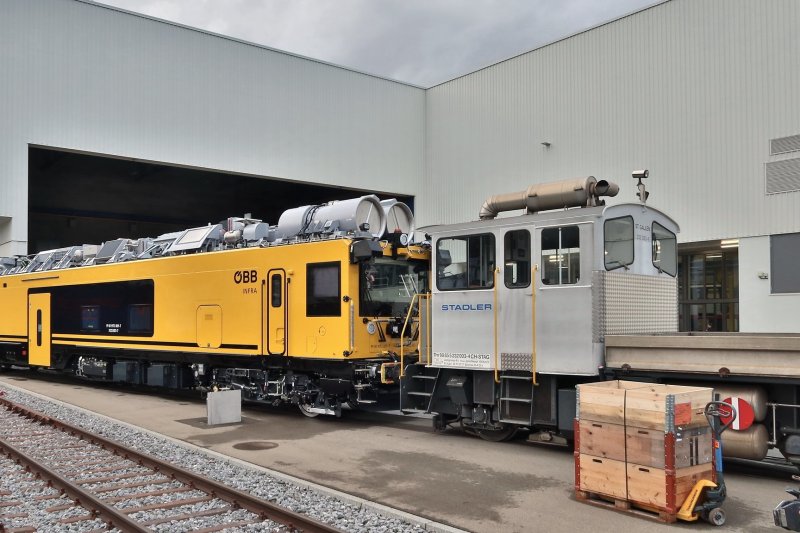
605 401
663 489
647 447
602 439
666 407
601 476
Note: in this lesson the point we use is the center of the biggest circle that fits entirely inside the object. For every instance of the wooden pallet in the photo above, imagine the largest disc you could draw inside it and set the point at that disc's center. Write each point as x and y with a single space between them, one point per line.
625 506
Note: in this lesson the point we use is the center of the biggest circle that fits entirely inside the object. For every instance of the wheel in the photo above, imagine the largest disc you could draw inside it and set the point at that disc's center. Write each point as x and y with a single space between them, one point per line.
504 433
305 408
716 516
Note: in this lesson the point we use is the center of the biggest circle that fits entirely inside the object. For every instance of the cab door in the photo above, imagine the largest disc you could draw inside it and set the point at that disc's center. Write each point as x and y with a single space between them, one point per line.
277 306
39 329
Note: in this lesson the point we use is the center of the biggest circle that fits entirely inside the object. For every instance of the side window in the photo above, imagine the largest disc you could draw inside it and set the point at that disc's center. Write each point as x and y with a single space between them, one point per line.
561 255
618 247
665 250
517 258
277 288
465 262
90 318
140 318
323 289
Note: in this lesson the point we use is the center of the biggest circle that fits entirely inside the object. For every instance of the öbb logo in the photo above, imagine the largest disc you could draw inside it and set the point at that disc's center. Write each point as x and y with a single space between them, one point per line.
245 276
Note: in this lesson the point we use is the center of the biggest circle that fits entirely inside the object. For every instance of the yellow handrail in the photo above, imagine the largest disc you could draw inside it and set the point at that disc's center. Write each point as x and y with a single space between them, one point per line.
494 310
428 332
415 298
533 323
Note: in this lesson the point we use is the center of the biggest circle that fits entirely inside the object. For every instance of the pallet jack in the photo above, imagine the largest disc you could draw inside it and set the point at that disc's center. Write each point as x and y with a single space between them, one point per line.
706 497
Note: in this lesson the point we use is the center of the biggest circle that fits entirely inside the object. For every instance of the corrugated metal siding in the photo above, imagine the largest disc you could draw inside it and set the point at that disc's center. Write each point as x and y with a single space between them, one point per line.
90 78
691 89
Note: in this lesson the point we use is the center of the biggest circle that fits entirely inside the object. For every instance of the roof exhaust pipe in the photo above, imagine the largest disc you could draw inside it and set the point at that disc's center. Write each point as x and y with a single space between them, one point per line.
578 192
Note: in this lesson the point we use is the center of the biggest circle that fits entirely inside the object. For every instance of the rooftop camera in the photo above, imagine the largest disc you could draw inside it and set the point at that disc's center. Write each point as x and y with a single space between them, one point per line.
640 175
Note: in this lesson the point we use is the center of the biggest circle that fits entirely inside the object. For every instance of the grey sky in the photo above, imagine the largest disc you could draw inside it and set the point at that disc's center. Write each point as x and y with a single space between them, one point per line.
423 42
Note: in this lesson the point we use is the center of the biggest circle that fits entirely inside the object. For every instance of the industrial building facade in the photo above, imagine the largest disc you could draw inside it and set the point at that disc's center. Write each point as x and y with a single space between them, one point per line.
115 124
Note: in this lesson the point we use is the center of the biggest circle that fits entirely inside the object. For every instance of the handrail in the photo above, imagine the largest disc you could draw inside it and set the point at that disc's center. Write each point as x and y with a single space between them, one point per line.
534 270
494 311
415 298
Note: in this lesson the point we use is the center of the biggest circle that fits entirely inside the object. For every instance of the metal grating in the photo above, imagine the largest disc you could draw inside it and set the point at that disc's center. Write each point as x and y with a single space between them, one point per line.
782 176
630 304
784 145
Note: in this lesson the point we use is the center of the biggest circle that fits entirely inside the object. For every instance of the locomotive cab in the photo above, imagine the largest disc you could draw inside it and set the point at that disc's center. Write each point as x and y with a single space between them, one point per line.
521 305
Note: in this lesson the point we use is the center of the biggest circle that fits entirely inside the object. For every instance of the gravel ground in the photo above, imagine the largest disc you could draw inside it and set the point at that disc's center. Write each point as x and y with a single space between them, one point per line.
298 498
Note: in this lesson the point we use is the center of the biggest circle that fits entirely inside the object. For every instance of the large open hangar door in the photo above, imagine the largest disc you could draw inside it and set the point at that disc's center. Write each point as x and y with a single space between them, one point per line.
79 198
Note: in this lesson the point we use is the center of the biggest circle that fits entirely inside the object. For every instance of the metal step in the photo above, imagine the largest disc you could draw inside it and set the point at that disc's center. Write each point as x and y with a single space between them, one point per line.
516 421
422 376
516 377
415 393
518 400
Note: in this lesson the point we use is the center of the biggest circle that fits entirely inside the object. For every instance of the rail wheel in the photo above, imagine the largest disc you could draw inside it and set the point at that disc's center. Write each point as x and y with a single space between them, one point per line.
305 408
503 433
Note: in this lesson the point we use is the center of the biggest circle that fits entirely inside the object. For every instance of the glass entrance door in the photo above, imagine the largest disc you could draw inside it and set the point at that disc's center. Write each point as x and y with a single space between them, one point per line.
709 290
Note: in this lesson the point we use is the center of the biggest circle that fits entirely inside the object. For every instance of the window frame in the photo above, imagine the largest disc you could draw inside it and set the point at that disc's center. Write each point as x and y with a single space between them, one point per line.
506 259
492 246
309 289
633 244
674 272
543 270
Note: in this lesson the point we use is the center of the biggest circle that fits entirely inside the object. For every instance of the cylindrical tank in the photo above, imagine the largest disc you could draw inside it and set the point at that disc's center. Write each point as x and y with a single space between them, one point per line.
399 218
357 214
755 396
293 221
751 443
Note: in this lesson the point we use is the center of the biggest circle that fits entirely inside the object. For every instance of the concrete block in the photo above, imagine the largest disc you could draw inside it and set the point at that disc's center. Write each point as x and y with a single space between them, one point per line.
224 407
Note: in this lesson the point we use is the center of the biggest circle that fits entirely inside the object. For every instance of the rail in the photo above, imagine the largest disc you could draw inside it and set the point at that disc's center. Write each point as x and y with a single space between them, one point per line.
534 270
416 299
494 312
265 510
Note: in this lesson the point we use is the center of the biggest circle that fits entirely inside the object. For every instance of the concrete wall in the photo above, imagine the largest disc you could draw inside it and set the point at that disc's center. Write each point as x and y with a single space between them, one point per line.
80 76
759 310
691 89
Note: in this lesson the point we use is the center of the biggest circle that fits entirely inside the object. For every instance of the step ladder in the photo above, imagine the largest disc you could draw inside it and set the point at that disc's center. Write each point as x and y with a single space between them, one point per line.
516 399
418 389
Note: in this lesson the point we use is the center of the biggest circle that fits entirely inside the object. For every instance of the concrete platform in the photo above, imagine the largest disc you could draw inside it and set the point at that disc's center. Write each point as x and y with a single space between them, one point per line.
399 462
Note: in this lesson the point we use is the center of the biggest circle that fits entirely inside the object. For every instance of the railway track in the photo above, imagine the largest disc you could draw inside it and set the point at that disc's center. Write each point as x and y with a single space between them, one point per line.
94 483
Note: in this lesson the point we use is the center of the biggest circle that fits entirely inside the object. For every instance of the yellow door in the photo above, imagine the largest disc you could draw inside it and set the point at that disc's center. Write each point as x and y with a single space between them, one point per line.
209 326
276 312
39 329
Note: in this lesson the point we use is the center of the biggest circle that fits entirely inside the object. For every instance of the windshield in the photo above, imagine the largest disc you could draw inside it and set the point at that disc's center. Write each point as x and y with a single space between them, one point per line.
387 286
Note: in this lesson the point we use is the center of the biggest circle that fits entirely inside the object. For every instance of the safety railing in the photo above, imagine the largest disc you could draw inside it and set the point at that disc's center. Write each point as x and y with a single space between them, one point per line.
417 301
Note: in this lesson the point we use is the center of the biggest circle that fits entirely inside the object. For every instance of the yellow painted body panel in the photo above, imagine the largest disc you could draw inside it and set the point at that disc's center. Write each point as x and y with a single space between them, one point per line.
201 304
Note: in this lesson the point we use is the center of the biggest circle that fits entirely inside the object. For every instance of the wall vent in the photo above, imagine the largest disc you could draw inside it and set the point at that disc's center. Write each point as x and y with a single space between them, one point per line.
783 176
784 145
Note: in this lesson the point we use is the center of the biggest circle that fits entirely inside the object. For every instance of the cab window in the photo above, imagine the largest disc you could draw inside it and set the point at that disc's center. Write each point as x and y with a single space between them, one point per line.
618 242
464 263
323 289
665 246
561 255
517 259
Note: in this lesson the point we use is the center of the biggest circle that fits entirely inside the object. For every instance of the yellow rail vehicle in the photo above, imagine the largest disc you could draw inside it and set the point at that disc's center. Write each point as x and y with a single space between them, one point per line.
310 317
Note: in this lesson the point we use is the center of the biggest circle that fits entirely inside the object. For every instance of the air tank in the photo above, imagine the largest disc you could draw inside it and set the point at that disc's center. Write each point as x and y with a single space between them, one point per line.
364 214
752 443
755 396
399 218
